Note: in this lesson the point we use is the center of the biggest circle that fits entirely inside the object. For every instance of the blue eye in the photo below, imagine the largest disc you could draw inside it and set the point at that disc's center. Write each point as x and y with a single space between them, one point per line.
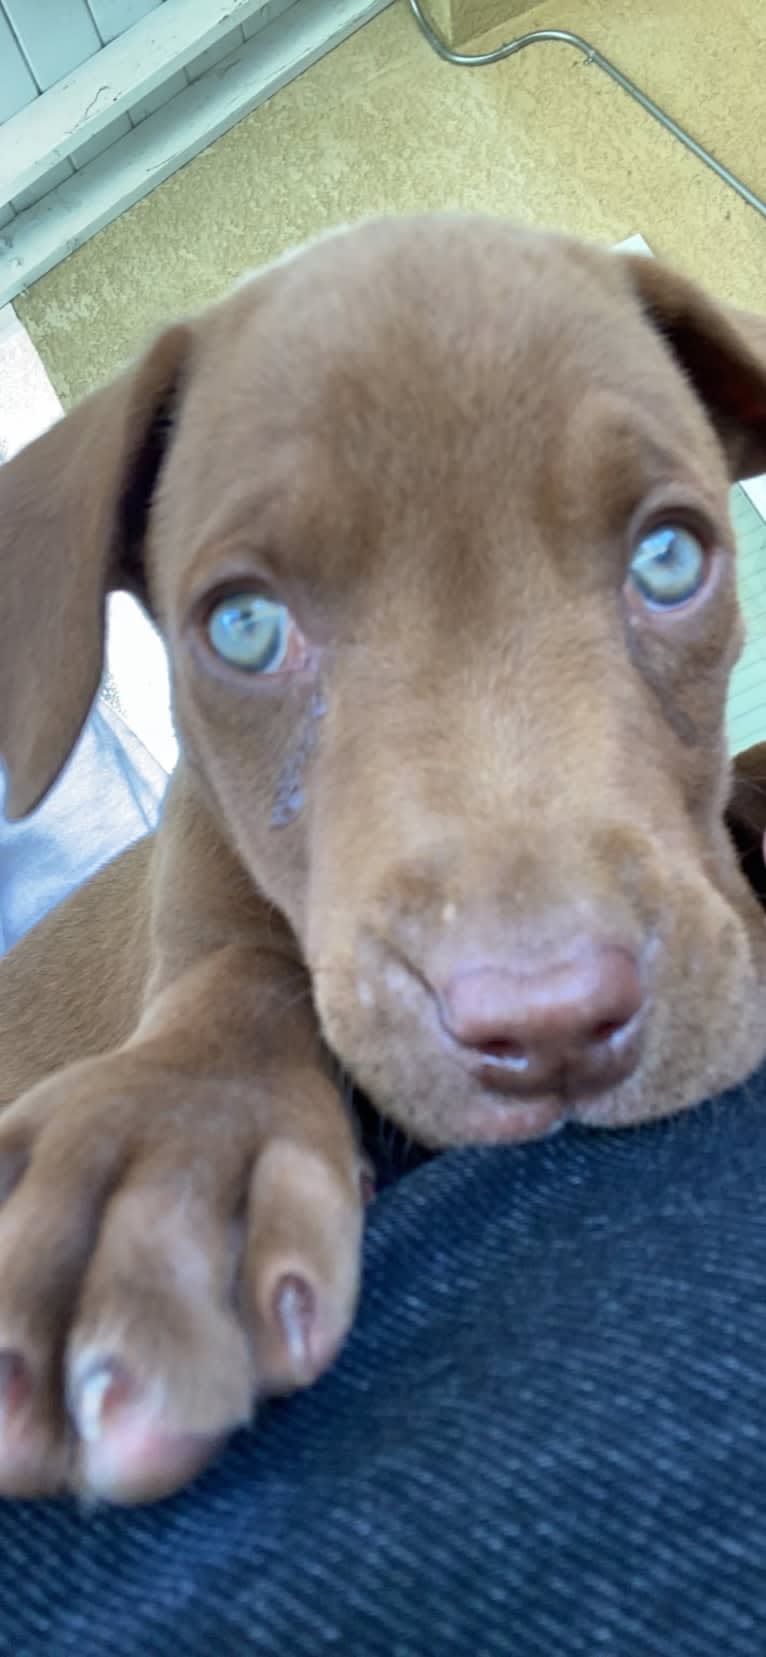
668 566
250 632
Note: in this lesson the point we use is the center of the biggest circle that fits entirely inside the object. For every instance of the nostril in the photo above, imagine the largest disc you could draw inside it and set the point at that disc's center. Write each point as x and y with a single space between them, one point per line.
503 1049
604 1032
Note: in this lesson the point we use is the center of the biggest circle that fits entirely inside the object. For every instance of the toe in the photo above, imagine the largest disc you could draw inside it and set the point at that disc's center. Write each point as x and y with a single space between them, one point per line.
159 1368
126 1453
35 1447
301 1267
46 1225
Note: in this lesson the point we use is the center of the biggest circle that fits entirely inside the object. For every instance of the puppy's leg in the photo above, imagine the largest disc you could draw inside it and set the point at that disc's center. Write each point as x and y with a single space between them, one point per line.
74 985
181 1220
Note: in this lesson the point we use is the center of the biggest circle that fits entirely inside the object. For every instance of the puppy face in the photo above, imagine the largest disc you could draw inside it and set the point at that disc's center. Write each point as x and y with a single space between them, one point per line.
441 550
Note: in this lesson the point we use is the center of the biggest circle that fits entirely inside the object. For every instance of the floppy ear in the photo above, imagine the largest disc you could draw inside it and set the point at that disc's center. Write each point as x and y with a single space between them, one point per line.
723 352
74 508
746 814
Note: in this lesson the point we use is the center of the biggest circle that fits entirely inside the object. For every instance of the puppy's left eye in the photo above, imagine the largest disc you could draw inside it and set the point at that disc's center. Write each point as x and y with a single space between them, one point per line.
254 633
668 566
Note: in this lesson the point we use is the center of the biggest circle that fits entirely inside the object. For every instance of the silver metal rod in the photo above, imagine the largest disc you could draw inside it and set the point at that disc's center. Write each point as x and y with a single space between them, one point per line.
480 60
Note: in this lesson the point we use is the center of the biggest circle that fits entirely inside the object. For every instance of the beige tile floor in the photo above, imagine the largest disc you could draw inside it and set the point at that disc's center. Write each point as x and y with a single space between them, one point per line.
382 124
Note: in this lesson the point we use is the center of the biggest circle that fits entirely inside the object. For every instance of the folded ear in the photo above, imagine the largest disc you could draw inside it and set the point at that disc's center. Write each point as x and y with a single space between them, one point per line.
74 508
723 352
746 814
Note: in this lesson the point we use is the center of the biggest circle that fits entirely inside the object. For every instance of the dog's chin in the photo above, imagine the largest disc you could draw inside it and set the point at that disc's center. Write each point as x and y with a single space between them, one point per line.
456 1112
487 1121
482 1118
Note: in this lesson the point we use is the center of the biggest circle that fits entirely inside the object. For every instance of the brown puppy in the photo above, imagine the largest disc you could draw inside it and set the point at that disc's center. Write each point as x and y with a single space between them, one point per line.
433 517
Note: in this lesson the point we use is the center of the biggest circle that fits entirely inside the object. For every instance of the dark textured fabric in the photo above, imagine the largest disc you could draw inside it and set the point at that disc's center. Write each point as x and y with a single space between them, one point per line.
546 1437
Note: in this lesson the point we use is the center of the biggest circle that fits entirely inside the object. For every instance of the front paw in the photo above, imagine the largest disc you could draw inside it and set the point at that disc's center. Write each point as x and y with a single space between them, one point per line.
169 1254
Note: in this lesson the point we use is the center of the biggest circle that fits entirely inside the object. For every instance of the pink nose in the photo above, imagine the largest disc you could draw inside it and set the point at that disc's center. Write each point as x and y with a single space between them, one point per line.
572 1024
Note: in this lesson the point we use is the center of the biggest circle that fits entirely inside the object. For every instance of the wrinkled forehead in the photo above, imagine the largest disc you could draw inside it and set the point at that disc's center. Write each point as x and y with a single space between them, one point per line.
412 320
390 376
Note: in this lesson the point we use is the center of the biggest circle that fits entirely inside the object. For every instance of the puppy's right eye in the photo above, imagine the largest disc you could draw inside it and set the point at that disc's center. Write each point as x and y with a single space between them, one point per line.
668 566
255 633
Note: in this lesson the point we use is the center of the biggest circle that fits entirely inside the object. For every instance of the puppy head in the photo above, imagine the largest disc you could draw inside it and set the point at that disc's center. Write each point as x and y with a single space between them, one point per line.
434 519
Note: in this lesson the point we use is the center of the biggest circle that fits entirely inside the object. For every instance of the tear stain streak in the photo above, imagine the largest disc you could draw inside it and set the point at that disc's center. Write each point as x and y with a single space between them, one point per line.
290 798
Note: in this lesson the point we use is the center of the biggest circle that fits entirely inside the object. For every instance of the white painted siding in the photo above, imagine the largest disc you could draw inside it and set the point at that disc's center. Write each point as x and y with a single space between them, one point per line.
113 17
17 87
53 38
128 115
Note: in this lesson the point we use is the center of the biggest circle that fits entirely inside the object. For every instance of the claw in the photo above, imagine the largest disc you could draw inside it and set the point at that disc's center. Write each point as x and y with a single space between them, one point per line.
295 1308
104 1388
